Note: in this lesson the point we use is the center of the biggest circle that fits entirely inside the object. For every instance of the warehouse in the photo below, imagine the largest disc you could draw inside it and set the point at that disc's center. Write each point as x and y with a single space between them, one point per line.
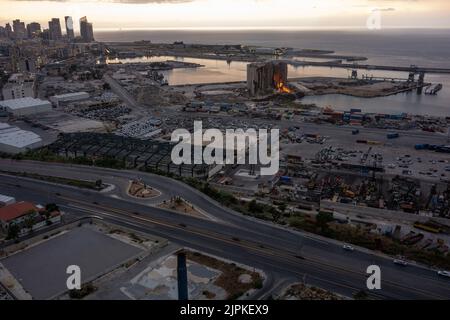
14 140
25 106
63 99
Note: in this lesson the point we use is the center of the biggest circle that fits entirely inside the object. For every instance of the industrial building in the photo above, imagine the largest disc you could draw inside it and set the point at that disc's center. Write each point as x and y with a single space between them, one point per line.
265 78
19 85
12 91
133 153
25 106
63 99
14 140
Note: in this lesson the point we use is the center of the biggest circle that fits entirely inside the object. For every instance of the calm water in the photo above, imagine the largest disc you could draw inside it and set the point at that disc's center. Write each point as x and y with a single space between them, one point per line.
391 47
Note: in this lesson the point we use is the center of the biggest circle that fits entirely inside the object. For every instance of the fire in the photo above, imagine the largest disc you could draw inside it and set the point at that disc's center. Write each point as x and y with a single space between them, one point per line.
282 88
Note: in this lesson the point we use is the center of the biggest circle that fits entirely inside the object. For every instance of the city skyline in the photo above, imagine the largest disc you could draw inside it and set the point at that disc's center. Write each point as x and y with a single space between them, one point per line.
231 14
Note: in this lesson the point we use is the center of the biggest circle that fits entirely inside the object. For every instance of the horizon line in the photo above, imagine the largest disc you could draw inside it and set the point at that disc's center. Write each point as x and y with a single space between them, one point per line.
272 28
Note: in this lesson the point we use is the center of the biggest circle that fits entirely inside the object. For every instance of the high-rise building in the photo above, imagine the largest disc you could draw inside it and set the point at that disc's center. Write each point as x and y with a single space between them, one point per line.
86 30
69 28
54 27
8 29
33 29
20 32
45 34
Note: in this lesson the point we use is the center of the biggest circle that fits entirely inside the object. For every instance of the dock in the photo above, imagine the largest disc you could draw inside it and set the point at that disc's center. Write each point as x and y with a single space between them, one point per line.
414 69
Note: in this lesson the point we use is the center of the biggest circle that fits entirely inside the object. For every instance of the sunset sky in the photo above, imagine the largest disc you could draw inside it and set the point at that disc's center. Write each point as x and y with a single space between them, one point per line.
208 14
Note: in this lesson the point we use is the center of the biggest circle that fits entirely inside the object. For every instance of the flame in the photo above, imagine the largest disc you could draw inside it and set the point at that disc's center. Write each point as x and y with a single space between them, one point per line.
282 88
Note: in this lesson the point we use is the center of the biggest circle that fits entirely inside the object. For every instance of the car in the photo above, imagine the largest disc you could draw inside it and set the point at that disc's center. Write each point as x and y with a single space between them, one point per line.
444 274
348 248
400 262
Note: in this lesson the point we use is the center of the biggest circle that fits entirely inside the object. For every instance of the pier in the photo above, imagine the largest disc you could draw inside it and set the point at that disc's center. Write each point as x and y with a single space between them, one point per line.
414 69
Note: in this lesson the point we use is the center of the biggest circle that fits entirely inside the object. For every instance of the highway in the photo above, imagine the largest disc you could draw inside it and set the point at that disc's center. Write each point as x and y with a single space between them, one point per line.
281 253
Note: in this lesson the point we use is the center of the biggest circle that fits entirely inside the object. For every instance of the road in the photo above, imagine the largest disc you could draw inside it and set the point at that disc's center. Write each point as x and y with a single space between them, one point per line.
123 94
282 253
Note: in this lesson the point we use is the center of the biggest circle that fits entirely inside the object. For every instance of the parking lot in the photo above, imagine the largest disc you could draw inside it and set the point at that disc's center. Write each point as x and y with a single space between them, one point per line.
41 269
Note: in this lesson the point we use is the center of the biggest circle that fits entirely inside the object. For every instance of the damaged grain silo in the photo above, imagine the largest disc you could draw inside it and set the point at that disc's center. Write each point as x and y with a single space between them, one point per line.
266 77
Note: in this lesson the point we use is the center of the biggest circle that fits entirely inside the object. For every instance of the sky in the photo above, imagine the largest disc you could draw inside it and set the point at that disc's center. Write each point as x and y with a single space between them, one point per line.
233 14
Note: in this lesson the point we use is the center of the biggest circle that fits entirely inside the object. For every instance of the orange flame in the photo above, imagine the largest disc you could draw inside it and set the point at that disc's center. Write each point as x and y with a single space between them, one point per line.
282 88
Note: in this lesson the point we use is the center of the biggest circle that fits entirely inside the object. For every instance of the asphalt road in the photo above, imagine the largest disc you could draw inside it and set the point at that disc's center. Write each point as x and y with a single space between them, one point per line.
270 248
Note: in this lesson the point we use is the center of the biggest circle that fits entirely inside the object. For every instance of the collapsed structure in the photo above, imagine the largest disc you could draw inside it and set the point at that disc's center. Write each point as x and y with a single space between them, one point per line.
263 78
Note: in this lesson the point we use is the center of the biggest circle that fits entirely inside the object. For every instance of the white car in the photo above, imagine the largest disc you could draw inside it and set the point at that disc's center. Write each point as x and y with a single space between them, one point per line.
348 248
401 262
444 273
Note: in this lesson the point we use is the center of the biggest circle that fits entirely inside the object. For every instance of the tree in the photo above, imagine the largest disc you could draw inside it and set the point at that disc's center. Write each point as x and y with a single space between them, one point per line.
361 295
50 207
254 207
276 214
29 221
282 207
323 218
13 231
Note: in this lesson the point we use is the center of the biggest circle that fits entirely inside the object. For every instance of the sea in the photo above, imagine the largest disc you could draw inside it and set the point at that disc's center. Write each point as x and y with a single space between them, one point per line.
396 47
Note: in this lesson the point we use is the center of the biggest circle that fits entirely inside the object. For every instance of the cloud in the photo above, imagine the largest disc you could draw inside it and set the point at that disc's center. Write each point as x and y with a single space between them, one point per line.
384 9
117 1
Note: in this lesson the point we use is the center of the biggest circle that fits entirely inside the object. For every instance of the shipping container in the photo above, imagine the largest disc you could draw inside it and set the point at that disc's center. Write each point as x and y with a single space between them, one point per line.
421 146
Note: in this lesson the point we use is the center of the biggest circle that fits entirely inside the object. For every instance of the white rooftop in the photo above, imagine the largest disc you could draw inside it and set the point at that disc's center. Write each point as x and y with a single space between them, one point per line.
6 199
15 104
16 137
